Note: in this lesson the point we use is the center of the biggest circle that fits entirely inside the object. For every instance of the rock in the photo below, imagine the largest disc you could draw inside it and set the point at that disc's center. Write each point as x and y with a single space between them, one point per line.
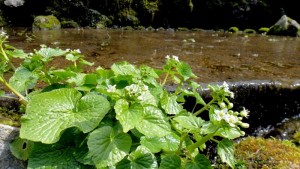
14 3
7 160
285 26
49 22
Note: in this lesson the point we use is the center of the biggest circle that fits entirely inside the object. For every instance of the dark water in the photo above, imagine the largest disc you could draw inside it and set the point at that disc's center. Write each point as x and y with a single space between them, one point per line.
214 56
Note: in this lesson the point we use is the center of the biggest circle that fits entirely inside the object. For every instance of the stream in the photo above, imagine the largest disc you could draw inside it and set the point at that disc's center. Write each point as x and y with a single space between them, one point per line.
213 56
261 63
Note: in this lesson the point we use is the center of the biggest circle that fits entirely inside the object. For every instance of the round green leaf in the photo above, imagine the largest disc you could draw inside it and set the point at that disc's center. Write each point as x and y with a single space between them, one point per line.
21 148
128 115
23 79
199 162
45 156
170 161
225 150
153 123
49 114
167 143
142 158
107 146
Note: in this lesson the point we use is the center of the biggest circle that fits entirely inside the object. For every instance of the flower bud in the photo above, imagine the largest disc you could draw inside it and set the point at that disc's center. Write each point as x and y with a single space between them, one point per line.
222 105
230 105
244 125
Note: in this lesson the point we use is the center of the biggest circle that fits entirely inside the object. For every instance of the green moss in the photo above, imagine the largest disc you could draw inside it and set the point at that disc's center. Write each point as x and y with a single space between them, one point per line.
249 31
69 24
233 29
270 153
49 22
277 30
182 29
150 28
9 117
297 137
263 30
128 28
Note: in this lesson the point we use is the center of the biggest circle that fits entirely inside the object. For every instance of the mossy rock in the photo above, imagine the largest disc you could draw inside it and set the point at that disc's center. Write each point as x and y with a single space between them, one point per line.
100 25
48 22
268 153
104 22
69 24
249 31
263 30
285 26
233 29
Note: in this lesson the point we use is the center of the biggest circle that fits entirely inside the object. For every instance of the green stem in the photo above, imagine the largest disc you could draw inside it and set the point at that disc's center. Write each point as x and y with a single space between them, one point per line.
181 141
191 148
21 97
205 107
7 59
165 80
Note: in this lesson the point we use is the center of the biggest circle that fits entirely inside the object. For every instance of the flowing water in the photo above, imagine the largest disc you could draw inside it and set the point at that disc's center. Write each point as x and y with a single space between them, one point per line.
214 56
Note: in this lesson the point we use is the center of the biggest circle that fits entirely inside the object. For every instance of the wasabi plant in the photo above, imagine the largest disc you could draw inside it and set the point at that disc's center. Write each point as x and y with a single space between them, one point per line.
122 117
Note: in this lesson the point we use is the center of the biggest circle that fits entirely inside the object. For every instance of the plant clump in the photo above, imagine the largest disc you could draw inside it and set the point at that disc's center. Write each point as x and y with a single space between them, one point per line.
268 153
263 30
249 31
233 29
122 117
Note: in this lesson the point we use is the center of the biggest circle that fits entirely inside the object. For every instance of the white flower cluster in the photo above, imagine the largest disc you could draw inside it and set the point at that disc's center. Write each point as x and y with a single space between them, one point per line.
76 50
226 89
136 91
231 117
3 34
176 58
111 88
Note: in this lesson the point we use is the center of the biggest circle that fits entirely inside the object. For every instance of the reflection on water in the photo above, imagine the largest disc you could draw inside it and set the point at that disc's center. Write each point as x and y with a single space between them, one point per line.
214 56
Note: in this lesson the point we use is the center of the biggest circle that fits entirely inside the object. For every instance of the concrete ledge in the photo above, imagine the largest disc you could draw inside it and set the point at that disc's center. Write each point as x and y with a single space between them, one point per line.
7 160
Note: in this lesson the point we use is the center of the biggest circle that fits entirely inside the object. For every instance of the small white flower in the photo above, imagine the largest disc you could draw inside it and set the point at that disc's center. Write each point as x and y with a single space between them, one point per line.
111 88
231 120
175 58
3 33
78 51
244 113
167 57
68 50
221 114
226 89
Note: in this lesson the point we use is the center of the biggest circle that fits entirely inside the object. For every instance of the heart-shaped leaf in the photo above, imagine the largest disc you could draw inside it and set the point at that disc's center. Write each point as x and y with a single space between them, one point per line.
49 114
